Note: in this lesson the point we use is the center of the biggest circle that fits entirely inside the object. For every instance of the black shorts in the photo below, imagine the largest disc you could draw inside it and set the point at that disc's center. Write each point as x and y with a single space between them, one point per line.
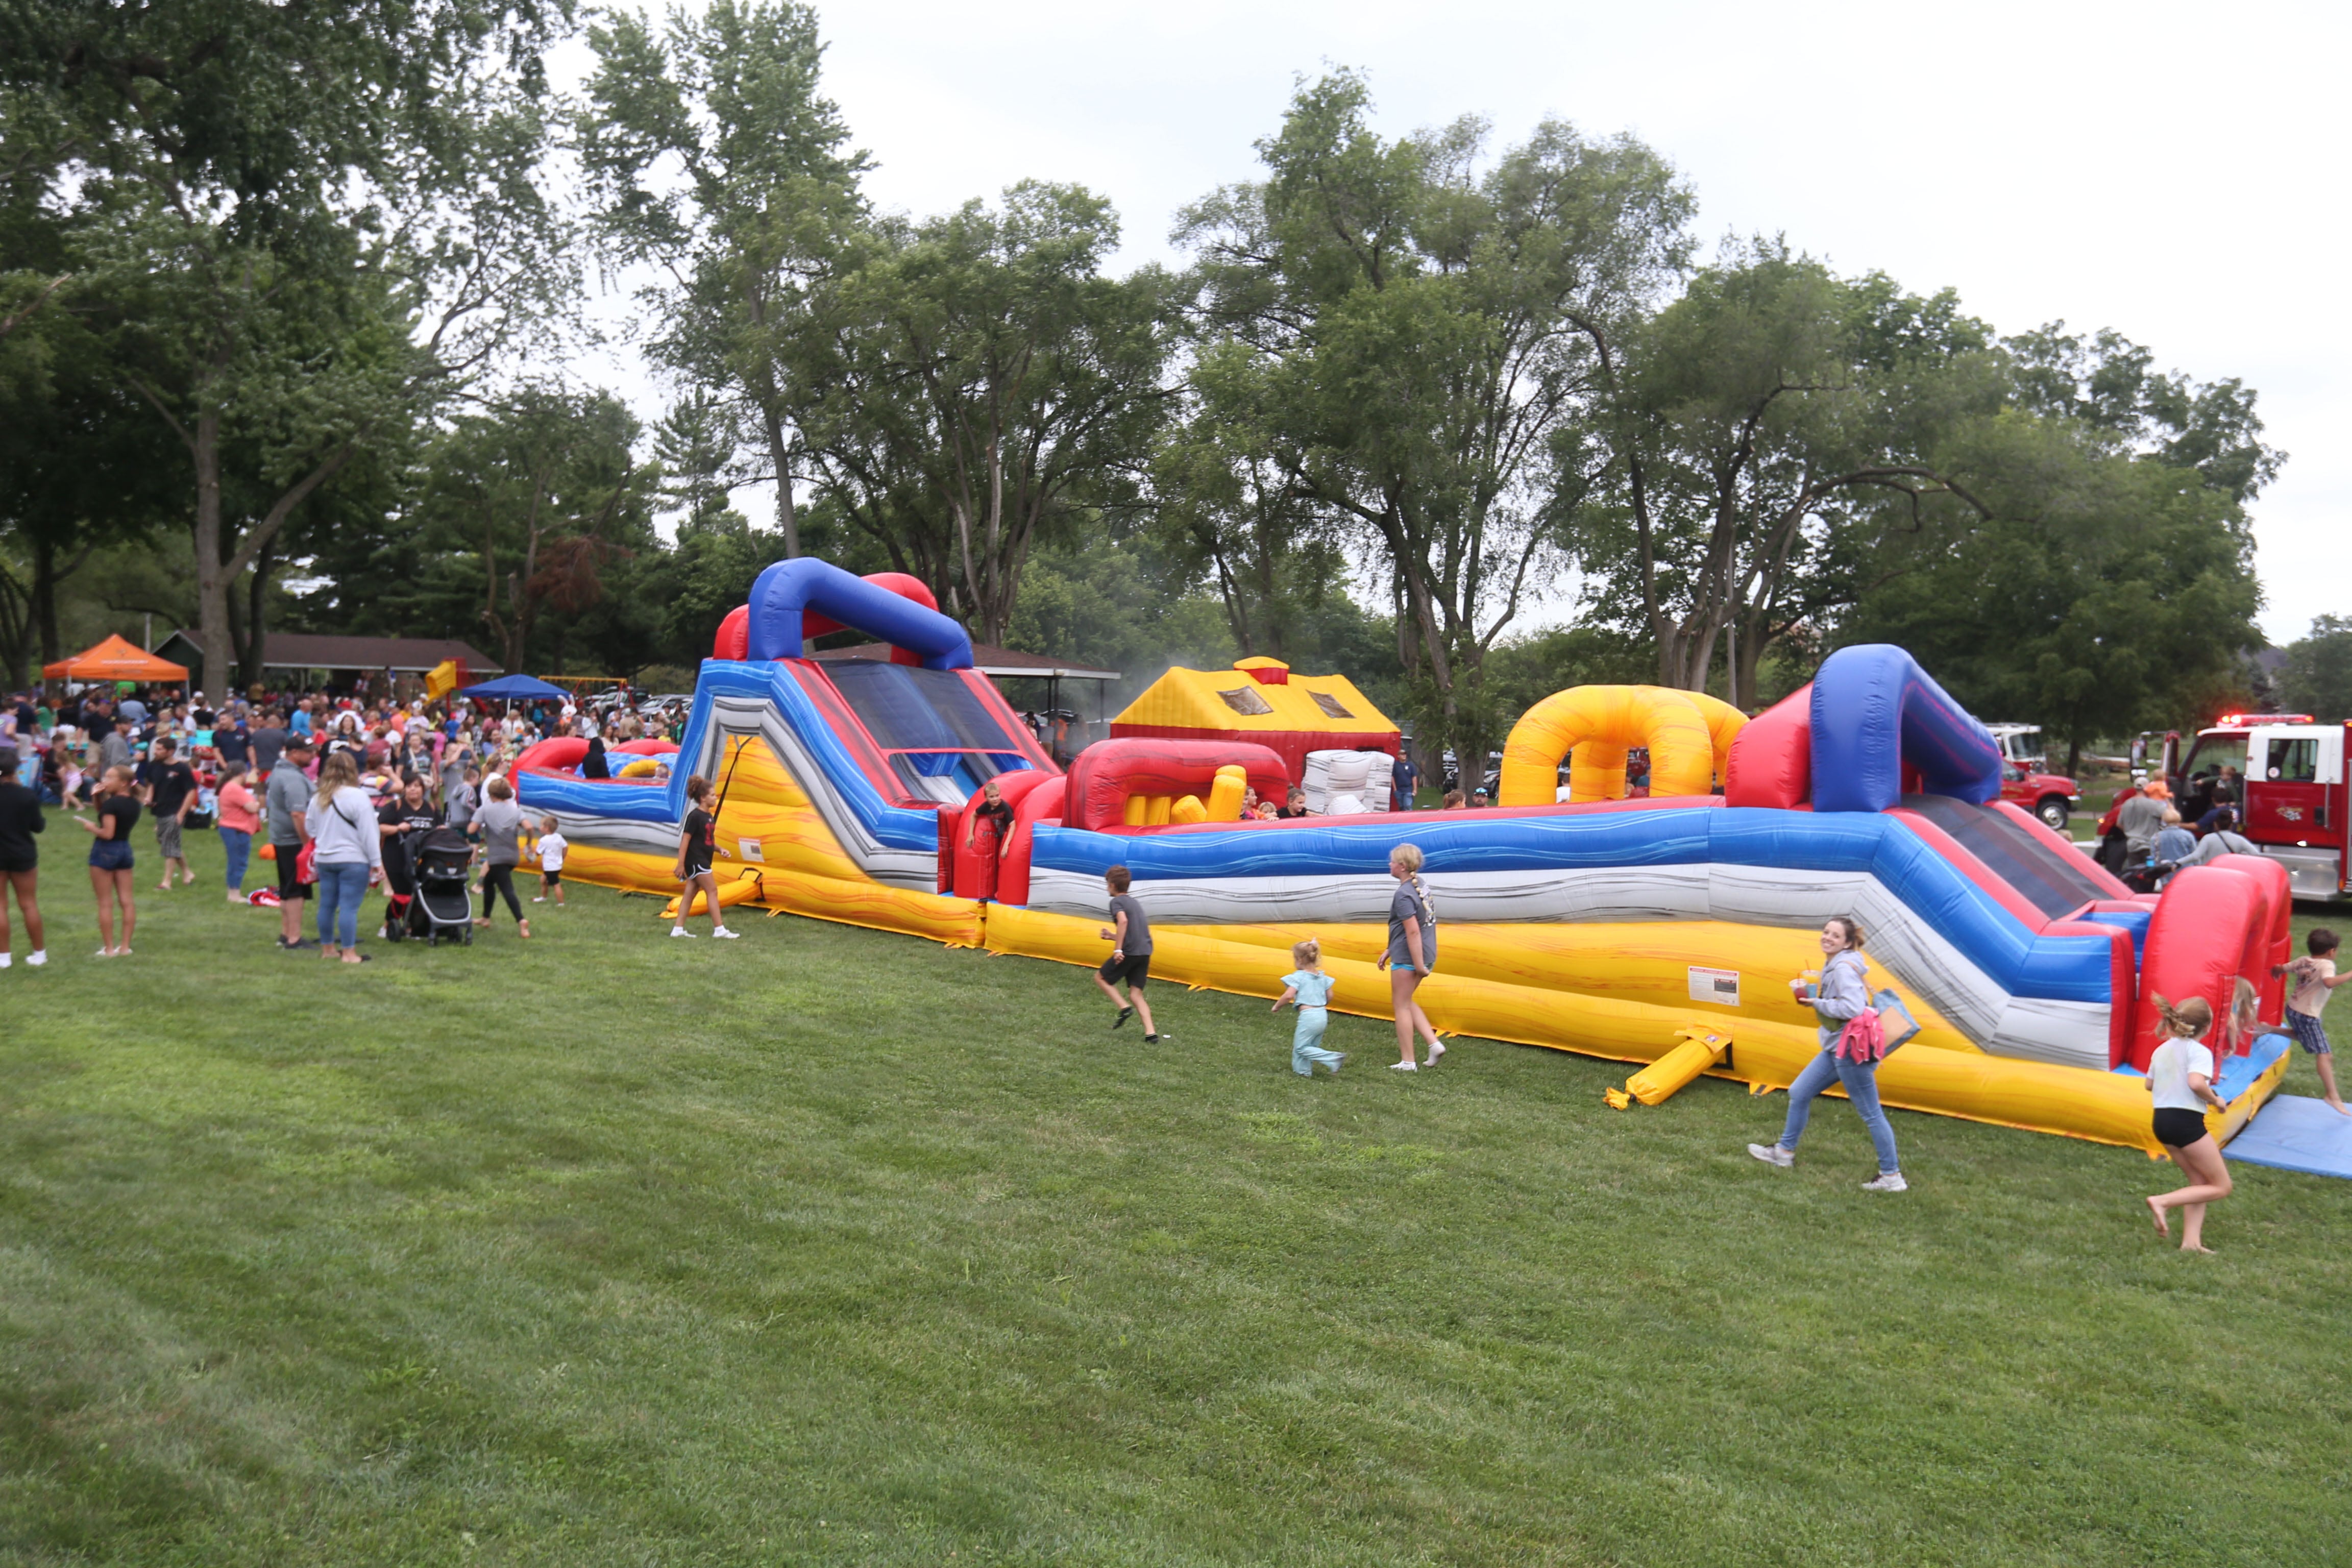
10 866
552 878
290 883
2178 1129
1135 969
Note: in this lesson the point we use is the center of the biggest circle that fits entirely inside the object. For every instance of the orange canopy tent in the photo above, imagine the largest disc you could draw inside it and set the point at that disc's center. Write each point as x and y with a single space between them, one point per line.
114 660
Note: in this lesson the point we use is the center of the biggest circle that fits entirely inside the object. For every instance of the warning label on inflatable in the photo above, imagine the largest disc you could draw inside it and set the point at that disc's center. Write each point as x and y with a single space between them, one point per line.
1717 986
752 849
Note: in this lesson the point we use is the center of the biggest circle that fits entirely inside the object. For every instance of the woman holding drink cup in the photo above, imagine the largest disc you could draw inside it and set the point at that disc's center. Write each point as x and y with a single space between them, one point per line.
1849 1056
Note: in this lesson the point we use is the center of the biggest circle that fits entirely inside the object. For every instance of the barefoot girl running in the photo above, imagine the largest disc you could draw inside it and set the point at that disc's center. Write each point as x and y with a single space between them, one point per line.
2180 1081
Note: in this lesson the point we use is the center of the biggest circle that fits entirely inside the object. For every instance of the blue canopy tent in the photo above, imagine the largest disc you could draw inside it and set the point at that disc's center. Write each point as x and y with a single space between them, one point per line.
512 688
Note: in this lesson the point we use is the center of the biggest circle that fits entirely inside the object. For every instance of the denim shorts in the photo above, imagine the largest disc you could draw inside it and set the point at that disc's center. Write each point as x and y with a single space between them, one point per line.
110 855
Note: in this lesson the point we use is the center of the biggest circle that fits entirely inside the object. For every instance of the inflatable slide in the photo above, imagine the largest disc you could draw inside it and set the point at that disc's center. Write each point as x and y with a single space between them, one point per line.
1617 928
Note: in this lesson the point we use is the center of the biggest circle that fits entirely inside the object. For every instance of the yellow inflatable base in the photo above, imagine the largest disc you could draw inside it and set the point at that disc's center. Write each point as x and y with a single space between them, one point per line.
1618 992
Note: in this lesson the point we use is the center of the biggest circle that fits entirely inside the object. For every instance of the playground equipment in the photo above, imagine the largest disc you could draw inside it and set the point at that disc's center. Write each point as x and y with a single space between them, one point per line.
1656 932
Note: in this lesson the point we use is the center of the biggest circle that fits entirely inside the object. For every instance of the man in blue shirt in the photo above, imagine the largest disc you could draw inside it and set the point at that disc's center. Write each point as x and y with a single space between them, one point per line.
1403 778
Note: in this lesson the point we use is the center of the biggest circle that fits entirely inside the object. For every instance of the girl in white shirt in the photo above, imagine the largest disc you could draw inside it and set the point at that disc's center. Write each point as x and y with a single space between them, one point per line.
2180 1081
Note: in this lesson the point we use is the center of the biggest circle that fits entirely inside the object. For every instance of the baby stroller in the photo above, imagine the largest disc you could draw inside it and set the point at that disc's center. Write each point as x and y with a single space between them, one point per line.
441 860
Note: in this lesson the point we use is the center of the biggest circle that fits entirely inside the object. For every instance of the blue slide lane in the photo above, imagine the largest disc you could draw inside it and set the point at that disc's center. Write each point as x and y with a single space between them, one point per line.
892 826
2022 962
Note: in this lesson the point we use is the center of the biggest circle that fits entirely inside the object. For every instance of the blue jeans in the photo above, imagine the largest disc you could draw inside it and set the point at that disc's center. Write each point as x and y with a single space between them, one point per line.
1306 1043
341 886
1861 1082
240 845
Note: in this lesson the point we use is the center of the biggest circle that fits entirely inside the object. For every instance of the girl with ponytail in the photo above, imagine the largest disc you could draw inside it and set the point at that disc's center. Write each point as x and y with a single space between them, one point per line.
2180 1083
1412 954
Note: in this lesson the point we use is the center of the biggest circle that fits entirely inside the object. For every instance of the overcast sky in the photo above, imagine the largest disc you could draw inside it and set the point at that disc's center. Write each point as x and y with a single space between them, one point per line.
2176 173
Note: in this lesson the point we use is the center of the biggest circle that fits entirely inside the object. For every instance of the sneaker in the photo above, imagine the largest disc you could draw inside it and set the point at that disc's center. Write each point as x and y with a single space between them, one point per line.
38 959
1155 1039
1773 1154
6 959
1887 1182
1124 1014
1436 1049
724 934
539 900
680 931
1402 1067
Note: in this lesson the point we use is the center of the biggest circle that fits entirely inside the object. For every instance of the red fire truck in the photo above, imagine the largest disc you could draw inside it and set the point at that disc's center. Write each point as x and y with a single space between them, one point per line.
2295 799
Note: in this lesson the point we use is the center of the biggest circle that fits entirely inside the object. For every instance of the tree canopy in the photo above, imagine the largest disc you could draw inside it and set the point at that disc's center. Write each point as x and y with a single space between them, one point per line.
289 336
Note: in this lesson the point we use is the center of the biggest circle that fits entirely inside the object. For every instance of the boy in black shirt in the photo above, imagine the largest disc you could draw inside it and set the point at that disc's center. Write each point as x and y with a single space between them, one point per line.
170 792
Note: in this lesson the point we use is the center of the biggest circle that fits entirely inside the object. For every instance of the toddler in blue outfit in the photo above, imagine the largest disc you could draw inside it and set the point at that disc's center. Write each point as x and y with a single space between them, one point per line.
1312 988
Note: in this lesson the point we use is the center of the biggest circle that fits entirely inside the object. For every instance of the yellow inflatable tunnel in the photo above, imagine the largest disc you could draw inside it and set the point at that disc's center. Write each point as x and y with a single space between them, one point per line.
1688 734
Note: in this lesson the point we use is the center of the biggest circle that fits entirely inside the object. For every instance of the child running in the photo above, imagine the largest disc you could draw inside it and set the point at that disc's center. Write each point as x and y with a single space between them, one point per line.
2180 1081
1313 989
550 847
695 849
2314 976
1130 935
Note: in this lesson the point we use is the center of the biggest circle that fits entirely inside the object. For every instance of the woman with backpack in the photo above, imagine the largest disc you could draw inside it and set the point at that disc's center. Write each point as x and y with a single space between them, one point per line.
347 854
1852 1045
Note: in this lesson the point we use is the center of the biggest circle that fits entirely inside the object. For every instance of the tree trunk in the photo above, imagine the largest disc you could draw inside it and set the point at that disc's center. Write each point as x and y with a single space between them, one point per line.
779 451
251 648
212 576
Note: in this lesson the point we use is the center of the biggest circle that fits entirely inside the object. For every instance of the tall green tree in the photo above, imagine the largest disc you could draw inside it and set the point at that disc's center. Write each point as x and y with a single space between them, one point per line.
1778 436
539 495
313 224
714 157
2317 676
1420 312
973 385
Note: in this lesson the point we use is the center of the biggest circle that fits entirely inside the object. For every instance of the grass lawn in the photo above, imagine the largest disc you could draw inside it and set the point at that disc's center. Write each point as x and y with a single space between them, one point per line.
828 1246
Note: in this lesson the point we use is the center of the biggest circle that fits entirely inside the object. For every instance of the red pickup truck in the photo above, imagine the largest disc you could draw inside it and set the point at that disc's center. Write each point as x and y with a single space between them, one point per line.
2050 796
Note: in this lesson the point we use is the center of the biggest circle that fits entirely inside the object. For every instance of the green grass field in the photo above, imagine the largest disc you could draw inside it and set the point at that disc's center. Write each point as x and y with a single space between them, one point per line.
834 1246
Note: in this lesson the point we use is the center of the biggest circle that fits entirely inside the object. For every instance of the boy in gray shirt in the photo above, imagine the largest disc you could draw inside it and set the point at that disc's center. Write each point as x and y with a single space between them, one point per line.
1130 935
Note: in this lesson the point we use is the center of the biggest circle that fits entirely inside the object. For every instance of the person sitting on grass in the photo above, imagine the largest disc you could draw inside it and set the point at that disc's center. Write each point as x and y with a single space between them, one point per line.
2314 977
1130 935
1843 994
697 846
550 849
2180 1083
1312 988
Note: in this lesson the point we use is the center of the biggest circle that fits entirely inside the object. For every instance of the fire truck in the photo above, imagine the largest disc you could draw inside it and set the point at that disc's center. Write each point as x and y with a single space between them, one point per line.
2293 800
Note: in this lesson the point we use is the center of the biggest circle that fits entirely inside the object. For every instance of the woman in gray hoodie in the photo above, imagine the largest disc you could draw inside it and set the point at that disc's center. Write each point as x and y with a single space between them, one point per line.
1843 994
501 824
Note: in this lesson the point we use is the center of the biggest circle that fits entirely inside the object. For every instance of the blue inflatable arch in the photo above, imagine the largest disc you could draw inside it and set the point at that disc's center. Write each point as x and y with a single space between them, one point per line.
780 593
1874 711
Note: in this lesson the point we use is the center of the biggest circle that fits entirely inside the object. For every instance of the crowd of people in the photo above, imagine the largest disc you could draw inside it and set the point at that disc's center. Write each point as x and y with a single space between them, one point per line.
321 783
2147 837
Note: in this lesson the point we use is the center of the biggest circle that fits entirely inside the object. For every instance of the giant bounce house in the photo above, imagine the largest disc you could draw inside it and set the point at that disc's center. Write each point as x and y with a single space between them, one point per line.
1659 930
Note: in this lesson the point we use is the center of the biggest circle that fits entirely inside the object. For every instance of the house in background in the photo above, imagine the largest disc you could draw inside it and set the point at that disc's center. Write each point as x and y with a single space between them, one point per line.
303 659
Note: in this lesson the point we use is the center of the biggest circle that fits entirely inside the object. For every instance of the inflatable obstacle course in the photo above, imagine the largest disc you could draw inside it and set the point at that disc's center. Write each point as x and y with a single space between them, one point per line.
1659 932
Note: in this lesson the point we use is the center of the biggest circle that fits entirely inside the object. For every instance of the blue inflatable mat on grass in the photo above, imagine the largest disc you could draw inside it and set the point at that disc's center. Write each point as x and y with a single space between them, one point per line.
2295 1133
